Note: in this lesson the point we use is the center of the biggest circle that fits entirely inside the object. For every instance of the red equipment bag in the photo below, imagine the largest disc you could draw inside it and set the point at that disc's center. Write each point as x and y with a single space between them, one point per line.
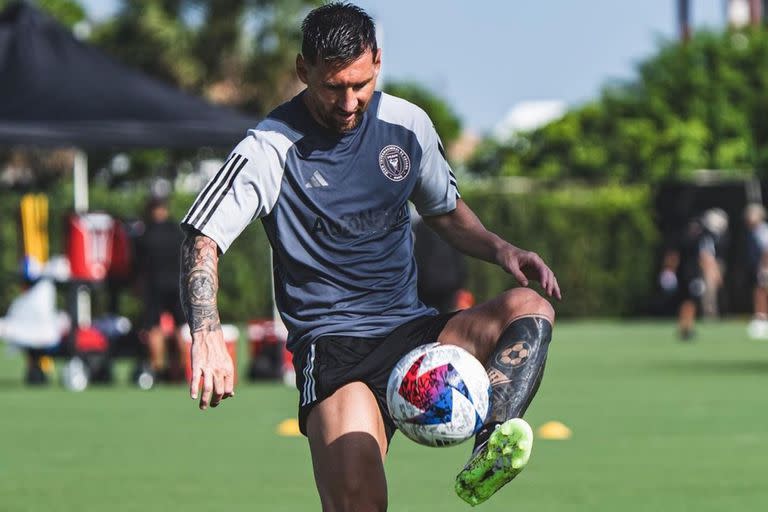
90 237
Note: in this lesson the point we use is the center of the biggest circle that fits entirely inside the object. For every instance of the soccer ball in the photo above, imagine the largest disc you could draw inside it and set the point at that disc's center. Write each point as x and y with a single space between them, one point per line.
438 395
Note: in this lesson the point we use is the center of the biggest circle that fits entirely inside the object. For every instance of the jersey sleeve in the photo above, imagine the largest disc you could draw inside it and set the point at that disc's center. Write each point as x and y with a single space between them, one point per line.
436 190
245 188
707 245
761 237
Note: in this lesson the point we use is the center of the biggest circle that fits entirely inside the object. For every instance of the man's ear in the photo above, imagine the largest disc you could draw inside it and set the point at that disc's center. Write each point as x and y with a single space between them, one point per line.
377 61
301 68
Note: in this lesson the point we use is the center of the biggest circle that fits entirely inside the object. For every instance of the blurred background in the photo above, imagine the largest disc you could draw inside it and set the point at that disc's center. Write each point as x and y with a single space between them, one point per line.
625 142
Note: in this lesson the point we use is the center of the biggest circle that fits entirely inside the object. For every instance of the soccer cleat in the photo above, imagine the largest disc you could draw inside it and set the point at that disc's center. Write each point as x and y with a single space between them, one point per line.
495 462
758 329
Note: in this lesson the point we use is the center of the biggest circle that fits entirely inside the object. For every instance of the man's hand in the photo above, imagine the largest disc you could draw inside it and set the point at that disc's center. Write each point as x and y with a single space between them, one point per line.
210 359
525 265
211 363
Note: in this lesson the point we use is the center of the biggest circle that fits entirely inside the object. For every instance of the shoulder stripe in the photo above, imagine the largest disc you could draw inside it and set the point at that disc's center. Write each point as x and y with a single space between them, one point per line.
441 149
223 193
212 190
207 190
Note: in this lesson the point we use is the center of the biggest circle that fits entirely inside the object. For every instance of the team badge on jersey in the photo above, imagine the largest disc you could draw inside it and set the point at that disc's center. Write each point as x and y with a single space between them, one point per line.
394 162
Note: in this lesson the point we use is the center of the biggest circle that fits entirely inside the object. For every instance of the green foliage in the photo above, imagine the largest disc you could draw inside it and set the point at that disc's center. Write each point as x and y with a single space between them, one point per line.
693 106
237 52
68 12
148 36
240 53
599 241
445 119
245 270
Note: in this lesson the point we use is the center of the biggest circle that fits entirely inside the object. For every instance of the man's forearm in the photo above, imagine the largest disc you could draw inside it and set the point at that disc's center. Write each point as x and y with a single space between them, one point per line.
200 282
463 230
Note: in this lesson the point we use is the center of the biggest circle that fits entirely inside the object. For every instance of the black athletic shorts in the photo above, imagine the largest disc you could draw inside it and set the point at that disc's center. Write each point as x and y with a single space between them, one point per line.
331 362
158 301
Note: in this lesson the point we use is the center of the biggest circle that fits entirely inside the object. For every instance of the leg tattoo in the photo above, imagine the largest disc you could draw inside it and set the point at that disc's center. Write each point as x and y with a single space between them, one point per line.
515 369
503 445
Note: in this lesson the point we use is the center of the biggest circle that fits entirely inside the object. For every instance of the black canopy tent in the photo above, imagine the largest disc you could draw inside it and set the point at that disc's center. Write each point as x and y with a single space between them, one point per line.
58 91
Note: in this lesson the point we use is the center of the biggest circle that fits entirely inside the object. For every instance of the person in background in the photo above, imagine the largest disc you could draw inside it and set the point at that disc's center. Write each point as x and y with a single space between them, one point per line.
715 222
757 254
158 266
691 267
441 268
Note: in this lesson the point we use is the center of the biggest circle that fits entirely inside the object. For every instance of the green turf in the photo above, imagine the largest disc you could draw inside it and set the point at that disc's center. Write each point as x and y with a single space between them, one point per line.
658 425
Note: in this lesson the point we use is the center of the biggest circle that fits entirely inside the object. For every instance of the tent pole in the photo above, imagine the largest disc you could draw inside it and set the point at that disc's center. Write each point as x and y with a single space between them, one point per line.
80 171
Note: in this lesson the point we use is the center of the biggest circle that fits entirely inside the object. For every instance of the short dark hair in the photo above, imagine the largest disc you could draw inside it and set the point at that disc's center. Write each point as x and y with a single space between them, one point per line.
337 32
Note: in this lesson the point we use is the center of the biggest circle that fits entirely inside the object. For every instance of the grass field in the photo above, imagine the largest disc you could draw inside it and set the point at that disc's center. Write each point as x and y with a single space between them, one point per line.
657 426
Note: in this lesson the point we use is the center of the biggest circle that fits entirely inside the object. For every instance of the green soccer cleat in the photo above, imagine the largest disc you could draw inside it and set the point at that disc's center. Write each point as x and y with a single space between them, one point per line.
495 462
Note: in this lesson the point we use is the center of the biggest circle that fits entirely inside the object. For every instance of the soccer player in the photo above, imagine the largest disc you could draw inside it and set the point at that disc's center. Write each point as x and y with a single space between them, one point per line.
757 239
157 258
692 267
330 174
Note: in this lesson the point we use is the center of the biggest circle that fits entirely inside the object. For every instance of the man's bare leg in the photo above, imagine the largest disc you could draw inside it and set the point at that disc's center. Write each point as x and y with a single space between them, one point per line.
181 349
758 326
510 335
156 349
686 317
760 297
348 443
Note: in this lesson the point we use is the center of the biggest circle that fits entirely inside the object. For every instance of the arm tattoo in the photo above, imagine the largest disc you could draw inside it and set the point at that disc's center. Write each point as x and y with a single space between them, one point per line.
199 283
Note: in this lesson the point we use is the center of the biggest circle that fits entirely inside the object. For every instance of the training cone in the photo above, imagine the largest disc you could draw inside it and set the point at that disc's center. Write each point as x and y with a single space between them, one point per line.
289 428
554 430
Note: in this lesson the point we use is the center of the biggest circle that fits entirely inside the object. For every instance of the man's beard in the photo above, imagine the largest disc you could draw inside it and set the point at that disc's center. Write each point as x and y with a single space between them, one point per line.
332 122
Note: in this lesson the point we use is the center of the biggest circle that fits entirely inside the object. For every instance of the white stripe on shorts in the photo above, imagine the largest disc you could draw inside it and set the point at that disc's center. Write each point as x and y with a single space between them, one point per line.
309 394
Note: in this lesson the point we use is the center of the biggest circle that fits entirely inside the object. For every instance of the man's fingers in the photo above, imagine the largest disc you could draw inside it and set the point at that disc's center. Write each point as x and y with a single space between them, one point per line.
194 384
518 275
550 282
544 279
547 279
229 385
205 399
557 291
218 388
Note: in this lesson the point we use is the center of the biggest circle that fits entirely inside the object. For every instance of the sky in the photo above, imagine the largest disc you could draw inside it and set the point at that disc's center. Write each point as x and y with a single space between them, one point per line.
486 56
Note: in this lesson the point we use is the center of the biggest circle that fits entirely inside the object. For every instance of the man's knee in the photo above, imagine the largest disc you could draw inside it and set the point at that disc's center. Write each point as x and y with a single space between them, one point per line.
520 302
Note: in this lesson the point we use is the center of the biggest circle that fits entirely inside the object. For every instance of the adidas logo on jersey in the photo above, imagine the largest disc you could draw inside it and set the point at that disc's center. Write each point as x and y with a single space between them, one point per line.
316 181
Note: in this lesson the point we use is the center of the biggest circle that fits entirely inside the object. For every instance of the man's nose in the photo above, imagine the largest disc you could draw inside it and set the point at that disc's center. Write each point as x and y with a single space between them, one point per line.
348 101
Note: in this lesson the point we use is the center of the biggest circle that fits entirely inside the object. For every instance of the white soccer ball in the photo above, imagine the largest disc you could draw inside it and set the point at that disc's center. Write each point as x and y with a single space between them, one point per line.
438 395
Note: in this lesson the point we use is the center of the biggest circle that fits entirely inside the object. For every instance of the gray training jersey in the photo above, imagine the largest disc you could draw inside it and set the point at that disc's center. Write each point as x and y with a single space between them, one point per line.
335 210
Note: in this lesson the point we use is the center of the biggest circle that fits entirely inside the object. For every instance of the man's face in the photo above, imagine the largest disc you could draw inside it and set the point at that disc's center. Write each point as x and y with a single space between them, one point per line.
160 213
337 95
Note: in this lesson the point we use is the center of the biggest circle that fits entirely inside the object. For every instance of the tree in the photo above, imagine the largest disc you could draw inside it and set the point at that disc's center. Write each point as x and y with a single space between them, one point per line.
236 52
696 105
239 53
446 121
68 12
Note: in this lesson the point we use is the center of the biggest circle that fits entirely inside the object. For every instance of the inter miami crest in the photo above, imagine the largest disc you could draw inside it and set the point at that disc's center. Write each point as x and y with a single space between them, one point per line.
394 162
